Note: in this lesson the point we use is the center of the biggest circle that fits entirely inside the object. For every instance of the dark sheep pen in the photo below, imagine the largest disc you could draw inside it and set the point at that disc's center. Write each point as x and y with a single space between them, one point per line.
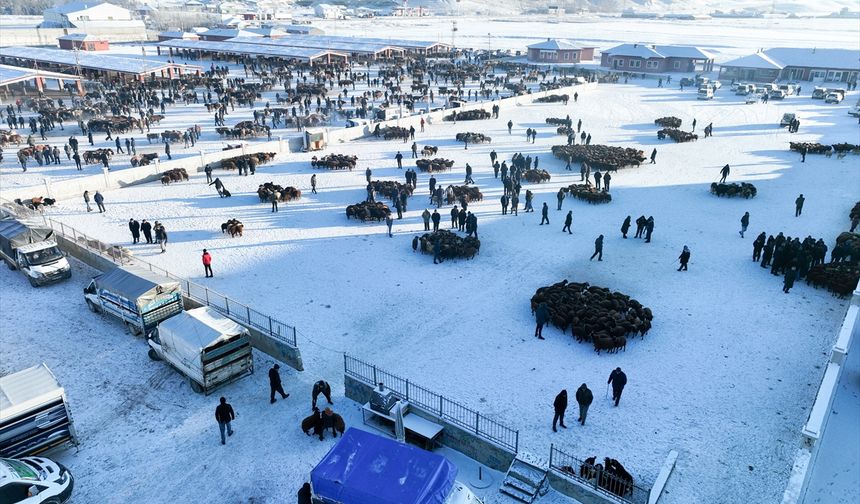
452 246
588 193
602 157
742 190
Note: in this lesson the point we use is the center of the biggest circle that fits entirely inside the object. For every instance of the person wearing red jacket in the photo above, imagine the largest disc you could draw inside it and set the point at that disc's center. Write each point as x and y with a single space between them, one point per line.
207 264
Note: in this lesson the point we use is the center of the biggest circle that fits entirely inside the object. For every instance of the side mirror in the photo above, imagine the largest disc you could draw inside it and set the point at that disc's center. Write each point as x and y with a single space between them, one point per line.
33 490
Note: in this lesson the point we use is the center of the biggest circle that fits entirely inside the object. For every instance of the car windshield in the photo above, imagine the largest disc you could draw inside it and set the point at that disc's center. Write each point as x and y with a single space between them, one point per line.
44 256
18 469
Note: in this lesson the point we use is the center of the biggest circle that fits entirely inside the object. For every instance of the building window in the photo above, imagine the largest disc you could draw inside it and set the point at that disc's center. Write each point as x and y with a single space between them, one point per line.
567 56
651 64
635 64
676 65
619 63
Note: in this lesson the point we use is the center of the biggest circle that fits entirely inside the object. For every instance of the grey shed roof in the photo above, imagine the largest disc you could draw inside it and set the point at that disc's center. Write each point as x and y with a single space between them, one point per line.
816 58
257 49
313 42
90 60
18 389
758 60
555 45
132 282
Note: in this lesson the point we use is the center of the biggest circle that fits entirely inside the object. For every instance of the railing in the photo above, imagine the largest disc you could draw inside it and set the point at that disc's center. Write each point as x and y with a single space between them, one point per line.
237 311
595 475
433 403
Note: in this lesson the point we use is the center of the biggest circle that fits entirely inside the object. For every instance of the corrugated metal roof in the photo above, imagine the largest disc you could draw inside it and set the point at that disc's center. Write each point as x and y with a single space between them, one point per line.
13 74
89 60
18 388
311 42
635 51
683 52
555 45
227 47
229 32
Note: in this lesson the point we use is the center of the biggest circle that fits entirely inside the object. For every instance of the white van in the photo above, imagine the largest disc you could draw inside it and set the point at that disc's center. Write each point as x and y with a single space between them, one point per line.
34 480
705 93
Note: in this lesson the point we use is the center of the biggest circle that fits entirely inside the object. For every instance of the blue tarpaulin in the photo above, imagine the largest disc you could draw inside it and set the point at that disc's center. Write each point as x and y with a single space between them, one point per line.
363 468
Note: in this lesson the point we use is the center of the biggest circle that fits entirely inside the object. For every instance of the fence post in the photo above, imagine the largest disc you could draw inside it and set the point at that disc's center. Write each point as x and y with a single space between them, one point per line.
188 287
207 296
407 390
440 405
551 450
374 375
295 341
227 304
270 325
517 442
477 422
248 311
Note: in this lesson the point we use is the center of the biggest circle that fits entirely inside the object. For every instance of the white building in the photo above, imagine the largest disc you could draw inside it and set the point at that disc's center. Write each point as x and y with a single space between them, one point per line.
73 14
328 11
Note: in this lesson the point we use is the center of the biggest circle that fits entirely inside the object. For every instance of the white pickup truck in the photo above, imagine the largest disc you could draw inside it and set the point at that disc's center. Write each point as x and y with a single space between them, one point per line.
32 250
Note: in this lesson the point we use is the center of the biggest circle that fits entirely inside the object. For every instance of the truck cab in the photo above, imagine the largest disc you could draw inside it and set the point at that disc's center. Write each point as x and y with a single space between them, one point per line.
43 263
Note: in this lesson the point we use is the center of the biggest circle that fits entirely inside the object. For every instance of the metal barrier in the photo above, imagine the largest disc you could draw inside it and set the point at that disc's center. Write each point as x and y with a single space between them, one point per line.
609 486
434 403
239 312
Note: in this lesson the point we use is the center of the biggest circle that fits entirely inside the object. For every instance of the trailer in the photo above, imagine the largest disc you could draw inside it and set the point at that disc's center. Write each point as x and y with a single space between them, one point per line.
34 413
208 349
138 297
32 250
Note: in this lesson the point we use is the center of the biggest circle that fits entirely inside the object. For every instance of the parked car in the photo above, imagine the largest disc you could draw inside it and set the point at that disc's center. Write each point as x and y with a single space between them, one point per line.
835 97
716 84
778 94
855 110
745 89
787 118
705 93
788 89
686 81
818 93
34 480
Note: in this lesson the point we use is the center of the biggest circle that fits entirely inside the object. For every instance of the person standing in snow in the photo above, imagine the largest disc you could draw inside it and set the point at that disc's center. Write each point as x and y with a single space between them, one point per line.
541 316
560 197
275 384
798 205
146 227
399 158
560 406
640 226
207 264
649 228
224 414
437 218
607 178
134 227
388 222
745 222
788 280
584 398
425 215
618 380
684 258
625 227
598 248
758 244
567 222
314 183
320 387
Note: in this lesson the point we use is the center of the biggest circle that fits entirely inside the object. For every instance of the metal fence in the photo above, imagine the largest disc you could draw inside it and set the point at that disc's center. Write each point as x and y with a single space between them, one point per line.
609 486
237 311
434 403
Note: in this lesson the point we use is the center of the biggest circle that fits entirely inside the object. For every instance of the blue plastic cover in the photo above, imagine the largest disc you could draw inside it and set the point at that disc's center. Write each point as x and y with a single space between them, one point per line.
363 468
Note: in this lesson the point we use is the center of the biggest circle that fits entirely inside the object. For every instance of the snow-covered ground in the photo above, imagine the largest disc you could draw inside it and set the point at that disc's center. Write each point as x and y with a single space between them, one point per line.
726 376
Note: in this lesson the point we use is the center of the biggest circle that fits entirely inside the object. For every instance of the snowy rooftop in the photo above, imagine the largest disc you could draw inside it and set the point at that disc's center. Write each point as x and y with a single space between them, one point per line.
555 45
104 62
229 47
819 58
666 51
81 37
757 60
75 7
13 74
268 31
311 42
229 32
634 50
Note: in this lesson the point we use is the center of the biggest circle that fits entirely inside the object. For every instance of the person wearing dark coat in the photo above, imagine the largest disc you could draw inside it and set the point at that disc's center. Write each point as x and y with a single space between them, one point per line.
790 277
208 171
275 384
798 205
625 227
725 173
607 178
598 248
640 226
461 219
320 387
560 197
745 222
567 222
767 256
425 216
541 317
654 156
584 398
560 406
436 220
134 227
367 174
684 258
758 244
399 158
219 186
649 228
544 219
471 224
618 380
167 150
224 414
146 227
304 494
597 177
437 251
100 201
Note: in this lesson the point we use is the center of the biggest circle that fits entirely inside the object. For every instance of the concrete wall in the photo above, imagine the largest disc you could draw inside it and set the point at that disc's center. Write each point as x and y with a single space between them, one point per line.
48 36
467 443
813 431
582 492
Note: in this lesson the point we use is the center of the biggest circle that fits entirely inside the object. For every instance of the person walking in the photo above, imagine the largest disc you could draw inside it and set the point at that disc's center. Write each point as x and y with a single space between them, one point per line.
544 214
625 226
399 158
567 222
790 277
100 201
584 398
725 173
798 205
314 183
87 201
275 384
134 227
618 380
167 150
684 258
560 406
510 125
320 387
598 248
654 156
224 415
161 236
77 158
745 222
367 174
207 264
803 151
541 318
389 222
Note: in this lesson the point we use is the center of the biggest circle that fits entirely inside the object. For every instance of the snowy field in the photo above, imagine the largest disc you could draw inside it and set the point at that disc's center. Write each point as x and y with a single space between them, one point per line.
725 376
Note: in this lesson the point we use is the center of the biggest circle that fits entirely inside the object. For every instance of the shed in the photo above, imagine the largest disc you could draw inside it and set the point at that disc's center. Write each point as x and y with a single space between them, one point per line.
559 51
83 42
363 468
